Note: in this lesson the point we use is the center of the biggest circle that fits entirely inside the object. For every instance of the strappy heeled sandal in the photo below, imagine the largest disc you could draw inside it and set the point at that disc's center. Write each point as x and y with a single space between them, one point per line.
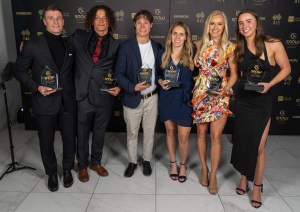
182 178
240 191
255 201
173 176
213 185
204 179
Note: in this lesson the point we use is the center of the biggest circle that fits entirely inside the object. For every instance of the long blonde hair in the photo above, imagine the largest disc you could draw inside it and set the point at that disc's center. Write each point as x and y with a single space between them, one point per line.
206 38
187 50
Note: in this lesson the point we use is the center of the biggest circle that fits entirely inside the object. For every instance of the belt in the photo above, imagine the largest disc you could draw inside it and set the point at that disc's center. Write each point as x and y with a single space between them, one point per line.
146 96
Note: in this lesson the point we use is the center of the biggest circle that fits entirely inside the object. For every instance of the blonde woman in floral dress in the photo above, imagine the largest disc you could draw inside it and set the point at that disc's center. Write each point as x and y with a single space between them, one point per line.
215 60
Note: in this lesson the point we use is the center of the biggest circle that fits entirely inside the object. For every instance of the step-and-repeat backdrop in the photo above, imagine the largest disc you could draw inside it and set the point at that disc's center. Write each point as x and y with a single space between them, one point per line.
280 19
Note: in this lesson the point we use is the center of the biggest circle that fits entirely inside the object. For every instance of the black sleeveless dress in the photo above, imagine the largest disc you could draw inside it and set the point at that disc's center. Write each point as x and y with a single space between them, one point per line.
252 112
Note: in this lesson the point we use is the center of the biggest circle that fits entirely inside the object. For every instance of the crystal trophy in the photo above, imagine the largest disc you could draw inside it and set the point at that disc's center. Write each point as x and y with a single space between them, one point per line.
50 79
171 73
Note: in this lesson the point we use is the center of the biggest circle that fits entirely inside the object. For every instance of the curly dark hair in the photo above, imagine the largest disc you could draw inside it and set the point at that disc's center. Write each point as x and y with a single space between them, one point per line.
90 17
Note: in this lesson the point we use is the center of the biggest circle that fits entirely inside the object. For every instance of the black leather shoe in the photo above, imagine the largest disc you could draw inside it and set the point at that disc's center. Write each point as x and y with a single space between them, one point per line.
68 179
52 182
130 170
147 171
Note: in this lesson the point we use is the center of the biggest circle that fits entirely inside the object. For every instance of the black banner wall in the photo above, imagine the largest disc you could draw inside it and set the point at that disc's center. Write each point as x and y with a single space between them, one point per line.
280 19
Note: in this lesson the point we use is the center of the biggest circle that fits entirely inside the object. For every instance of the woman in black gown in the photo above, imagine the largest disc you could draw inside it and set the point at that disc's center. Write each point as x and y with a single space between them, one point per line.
257 55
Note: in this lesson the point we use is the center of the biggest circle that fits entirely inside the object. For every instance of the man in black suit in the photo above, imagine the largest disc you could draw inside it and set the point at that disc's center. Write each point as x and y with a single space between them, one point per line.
53 108
95 51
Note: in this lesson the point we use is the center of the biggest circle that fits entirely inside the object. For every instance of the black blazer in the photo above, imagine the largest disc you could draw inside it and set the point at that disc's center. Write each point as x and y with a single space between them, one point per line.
87 74
35 55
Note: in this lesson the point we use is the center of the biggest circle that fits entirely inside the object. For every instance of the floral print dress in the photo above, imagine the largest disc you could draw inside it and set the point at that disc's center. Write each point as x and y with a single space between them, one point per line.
207 107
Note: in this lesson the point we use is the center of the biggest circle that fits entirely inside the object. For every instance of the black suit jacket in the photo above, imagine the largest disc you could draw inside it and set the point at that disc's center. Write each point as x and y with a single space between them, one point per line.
88 76
35 55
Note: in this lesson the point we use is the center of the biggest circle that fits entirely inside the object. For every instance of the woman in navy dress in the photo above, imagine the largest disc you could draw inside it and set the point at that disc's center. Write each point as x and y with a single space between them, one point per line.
173 103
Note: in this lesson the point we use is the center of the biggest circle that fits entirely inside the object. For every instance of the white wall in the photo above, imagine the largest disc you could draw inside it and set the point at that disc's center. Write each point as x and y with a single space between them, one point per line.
8 53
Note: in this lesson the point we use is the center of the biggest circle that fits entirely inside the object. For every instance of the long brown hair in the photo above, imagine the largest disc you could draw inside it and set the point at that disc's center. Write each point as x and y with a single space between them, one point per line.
259 39
187 50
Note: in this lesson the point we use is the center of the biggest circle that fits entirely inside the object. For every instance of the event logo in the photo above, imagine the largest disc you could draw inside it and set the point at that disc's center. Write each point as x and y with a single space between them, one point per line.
259 2
297 1
282 117
24 13
80 16
64 33
132 15
293 42
284 99
158 36
40 12
119 36
287 80
181 16
292 60
297 102
292 19
120 15
158 18
276 19
200 17
25 34
234 19
194 37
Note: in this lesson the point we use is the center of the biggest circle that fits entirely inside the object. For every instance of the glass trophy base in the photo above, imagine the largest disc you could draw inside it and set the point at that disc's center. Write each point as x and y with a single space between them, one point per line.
174 84
253 87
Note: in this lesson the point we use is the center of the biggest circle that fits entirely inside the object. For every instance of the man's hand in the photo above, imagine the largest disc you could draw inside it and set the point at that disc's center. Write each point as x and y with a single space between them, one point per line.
114 91
45 91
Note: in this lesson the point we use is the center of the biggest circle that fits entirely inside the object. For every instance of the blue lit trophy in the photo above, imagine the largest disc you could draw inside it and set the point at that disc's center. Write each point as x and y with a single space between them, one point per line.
254 75
213 82
50 79
145 74
171 73
108 81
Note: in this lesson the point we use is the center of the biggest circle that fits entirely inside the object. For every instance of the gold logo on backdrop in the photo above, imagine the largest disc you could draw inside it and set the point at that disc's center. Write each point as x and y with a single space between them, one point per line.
282 117
120 15
40 12
276 19
287 80
200 17
25 34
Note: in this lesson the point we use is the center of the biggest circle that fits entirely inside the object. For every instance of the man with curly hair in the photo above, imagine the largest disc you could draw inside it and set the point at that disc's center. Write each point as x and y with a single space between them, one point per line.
95 51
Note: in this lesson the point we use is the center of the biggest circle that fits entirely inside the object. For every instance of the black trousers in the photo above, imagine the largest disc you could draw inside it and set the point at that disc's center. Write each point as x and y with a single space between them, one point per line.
46 125
95 119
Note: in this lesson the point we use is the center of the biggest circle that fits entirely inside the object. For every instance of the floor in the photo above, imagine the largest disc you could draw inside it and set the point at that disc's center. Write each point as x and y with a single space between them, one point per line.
26 191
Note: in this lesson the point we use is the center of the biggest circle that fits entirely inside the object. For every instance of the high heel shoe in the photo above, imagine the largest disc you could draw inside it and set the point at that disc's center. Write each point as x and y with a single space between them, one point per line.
182 178
255 201
240 191
173 176
213 185
204 178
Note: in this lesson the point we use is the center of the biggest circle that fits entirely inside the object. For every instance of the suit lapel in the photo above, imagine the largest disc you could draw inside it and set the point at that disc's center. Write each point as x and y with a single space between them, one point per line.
137 53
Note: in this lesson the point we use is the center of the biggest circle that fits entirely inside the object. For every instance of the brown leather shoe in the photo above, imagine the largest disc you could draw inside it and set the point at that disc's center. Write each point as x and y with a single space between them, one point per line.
83 175
100 170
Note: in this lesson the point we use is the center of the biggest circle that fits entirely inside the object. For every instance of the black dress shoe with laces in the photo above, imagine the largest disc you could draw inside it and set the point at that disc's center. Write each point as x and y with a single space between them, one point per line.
130 170
68 179
147 170
52 182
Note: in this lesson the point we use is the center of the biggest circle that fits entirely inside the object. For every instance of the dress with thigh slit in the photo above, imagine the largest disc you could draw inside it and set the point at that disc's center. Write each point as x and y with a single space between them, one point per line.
252 113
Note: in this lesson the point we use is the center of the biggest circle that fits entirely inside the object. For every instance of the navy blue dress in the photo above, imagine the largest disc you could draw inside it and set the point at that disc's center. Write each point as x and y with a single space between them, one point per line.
174 103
